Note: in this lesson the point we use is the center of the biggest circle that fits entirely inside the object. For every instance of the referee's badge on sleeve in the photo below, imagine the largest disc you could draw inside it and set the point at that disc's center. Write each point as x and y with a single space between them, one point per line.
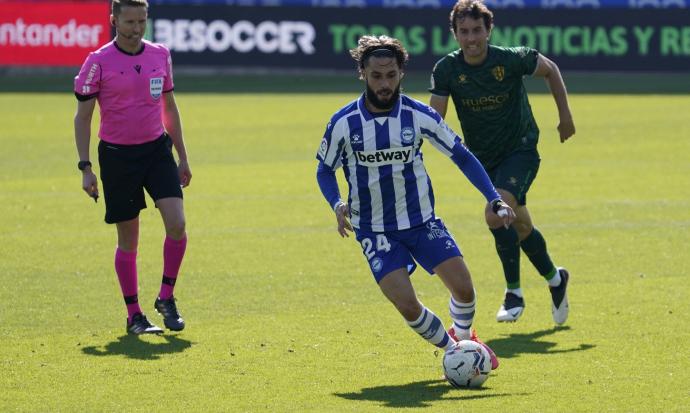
156 87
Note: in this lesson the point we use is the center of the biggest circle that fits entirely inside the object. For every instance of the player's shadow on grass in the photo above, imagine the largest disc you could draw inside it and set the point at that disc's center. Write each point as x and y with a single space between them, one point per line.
417 394
134 347
515 344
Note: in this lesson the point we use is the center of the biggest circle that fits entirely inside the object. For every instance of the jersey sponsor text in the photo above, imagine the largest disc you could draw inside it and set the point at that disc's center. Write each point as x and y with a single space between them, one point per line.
385 156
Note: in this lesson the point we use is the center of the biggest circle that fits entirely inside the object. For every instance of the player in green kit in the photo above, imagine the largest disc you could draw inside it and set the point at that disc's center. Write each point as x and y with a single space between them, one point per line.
485 83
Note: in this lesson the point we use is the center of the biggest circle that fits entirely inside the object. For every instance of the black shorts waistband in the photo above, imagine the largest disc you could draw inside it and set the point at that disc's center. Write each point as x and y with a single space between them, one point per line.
154 142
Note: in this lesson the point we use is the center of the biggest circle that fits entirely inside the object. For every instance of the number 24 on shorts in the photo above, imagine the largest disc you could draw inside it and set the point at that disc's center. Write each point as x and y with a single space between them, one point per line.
382 244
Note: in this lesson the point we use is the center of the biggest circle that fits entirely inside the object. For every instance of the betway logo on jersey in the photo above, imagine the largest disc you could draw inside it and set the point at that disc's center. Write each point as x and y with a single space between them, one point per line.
385 156
286 37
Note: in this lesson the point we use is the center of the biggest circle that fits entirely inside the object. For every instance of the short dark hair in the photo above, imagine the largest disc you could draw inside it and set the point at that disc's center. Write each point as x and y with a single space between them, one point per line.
117 5
475 9
379 46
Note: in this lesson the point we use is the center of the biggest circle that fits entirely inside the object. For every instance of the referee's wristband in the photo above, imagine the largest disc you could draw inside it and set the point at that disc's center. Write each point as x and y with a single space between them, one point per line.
337 205
497 204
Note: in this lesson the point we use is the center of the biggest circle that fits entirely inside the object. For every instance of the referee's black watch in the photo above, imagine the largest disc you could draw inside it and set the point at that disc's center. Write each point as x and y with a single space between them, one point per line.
83 164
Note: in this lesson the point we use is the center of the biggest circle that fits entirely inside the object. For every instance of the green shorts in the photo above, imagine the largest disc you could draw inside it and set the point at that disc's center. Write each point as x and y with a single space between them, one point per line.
516 173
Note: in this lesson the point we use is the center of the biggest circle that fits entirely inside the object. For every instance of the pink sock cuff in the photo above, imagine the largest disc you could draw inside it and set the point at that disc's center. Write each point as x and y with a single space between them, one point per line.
176 242
125 255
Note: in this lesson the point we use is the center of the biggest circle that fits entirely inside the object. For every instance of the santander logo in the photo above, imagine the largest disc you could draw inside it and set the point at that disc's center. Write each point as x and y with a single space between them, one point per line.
19 33
55 33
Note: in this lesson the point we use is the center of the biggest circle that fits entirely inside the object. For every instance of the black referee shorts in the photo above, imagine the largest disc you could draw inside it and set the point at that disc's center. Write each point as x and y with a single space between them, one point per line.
126 170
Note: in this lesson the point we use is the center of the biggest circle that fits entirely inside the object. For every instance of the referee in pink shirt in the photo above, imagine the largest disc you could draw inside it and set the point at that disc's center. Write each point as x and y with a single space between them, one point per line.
131 79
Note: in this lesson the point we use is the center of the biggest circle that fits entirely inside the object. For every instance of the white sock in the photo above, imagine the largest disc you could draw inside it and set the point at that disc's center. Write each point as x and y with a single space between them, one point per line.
463 316
516 291
555 281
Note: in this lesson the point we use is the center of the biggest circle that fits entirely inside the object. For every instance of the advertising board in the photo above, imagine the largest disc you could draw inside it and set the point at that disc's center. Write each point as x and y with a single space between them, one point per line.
52 34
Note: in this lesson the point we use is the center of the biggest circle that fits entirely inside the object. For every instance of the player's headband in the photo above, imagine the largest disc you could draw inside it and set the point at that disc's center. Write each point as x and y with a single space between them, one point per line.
381 52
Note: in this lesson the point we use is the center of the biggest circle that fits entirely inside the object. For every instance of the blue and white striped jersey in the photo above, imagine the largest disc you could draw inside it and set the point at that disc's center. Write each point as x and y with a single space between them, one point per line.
389 188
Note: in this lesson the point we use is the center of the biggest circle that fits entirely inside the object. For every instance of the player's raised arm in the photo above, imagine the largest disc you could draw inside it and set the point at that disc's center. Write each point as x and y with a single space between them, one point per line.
549 70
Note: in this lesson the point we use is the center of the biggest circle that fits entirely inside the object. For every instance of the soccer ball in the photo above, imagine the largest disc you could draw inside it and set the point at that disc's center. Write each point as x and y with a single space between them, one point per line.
466 364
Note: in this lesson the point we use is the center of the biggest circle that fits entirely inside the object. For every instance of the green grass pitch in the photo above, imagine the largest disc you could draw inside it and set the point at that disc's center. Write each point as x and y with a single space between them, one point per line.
284 316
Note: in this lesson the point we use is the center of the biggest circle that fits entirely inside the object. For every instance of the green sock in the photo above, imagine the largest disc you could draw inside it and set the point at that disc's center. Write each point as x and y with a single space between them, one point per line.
508 248
534 247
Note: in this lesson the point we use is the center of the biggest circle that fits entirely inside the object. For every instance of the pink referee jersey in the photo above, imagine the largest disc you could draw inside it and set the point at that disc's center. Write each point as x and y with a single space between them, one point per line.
129 88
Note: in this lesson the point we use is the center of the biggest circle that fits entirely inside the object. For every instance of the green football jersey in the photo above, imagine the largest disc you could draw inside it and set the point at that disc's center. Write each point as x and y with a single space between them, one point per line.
490 100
